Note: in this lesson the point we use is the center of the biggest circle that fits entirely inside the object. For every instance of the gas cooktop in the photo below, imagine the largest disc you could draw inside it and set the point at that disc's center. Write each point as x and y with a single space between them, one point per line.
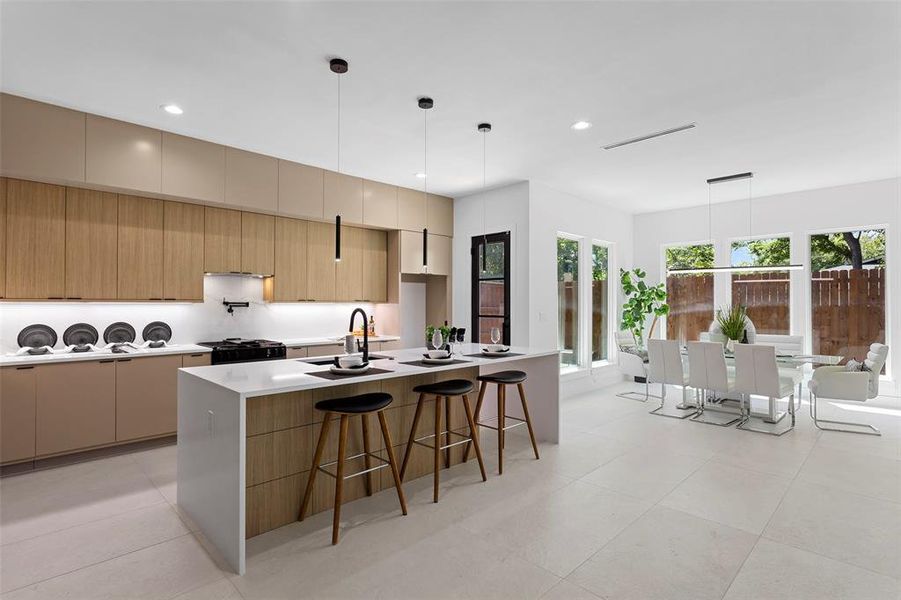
235 350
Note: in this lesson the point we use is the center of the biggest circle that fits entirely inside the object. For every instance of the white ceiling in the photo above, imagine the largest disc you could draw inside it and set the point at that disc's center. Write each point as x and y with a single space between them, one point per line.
804 94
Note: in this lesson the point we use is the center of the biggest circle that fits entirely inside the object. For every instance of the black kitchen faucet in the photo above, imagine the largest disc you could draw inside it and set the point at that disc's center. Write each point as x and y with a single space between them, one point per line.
365 347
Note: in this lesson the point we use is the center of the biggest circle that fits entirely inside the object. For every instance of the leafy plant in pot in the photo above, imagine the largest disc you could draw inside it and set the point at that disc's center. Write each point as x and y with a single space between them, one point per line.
430 331
642 301
731 320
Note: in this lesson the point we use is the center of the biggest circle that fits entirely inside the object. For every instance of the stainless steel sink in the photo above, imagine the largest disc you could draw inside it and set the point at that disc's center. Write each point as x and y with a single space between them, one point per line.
328 360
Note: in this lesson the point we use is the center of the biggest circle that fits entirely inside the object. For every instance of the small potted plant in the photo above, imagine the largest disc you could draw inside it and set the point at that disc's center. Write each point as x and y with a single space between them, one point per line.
731 320
430 331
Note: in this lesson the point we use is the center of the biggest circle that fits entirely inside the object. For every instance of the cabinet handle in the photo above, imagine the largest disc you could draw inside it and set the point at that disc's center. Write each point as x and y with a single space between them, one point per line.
196 355
154 298
124 360
170 298
24 368
55 298
109 360
73 298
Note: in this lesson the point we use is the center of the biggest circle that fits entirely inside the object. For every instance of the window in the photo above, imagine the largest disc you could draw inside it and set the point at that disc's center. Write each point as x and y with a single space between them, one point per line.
847 291
600 318
568 302
766 295
491 287
689 295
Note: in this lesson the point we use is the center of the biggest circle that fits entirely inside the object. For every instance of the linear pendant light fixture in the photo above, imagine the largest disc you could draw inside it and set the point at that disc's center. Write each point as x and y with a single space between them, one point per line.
425 103
338 66
730 269
484 128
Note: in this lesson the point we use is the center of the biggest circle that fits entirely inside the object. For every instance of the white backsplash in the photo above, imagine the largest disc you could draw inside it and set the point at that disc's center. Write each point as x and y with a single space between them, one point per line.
197 322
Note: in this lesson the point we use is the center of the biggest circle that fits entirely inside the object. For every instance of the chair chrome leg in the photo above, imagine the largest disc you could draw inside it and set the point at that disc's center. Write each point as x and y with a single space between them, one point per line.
659 411
708 417
637 395
819 423
746 419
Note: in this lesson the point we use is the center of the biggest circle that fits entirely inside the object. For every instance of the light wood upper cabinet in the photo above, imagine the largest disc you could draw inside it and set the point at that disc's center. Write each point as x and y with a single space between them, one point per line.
349 270
183 242
379 204
221 240
122 155
375 265
290 282
439 257
76 405
41 141
411 210
257 243
17 413
251 180
440 215
146 396
300 190
35 240
343 196
193 168
411 252
321 261
2 237
140 248
92 219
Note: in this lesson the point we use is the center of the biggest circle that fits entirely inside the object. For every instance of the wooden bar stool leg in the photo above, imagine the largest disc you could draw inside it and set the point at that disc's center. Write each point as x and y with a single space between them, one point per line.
317 458
475 432
410 444
475 440
437 461
501 412
367 460
447 425
525 411
339 479
392 461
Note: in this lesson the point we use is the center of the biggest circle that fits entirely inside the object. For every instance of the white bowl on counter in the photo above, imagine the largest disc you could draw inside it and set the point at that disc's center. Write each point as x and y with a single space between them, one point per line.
350 361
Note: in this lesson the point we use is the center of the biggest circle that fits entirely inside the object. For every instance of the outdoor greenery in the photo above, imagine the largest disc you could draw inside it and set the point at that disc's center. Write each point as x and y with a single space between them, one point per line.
567 258
731 320
688 257
847 248
642 300
767 252
598 263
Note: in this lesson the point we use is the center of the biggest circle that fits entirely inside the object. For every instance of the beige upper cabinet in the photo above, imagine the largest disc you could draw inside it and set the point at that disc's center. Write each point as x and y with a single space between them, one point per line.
375 265
290 281
41 141
321 261
17 388
92 219
221 240
349 270
35 240
257 244
2 237
300 190
183 251
343 196
411 252
251 180
379 204
122 155
411 210
140 248
193 168
439 256
440 215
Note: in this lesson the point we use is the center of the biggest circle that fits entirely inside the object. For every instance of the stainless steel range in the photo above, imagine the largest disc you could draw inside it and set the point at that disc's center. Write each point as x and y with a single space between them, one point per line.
237 350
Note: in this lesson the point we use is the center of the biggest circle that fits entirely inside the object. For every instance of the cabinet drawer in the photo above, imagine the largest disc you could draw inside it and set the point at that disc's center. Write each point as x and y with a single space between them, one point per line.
200 359
17 409
146 396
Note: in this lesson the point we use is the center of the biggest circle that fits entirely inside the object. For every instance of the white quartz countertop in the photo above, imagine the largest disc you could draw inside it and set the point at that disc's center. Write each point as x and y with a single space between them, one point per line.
100 354
290 375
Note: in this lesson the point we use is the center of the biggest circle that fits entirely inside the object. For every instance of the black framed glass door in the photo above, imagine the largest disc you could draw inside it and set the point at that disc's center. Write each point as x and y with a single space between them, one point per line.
491 286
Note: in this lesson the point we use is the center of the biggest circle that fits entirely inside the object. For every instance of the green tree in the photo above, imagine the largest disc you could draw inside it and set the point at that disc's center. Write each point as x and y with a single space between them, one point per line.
688 257
847 248
598 263
768 252
567 258
642 300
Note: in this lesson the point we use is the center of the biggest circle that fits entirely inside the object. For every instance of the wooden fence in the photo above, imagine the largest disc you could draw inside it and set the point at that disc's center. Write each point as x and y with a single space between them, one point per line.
766 296
690 299
848 311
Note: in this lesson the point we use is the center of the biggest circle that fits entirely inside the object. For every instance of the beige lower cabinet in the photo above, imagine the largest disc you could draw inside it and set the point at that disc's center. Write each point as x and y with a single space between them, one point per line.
17 406
326 350
146 396
75 406
296 353
200 359
391 345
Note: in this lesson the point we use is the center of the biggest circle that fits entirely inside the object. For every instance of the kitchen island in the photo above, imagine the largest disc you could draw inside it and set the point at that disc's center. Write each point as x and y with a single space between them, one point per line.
246 432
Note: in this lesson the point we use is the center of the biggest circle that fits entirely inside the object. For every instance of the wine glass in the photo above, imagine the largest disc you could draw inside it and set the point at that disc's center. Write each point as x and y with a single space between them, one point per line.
437 339
495 335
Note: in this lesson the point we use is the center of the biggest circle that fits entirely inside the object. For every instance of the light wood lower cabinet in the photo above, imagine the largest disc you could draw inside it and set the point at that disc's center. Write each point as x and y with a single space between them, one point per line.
296 353
35 240
17 409
140 248
75 406
182 251
201 359
325 350
146 396
91 244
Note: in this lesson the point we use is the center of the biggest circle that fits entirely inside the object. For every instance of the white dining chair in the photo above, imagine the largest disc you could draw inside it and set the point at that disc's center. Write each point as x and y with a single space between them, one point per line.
856 386
707 372
756 373
666 368
633 365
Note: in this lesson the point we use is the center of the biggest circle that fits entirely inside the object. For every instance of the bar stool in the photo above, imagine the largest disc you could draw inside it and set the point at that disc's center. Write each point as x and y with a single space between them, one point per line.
362 405
451 387
503 379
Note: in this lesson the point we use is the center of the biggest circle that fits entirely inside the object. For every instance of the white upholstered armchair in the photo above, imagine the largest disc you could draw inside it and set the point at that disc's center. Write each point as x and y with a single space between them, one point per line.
840 384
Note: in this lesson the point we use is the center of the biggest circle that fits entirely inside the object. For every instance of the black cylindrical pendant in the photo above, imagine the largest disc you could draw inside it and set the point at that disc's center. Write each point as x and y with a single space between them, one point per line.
425 249
337 238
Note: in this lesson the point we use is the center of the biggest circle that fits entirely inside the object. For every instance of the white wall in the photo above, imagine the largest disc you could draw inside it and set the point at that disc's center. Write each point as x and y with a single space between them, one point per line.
798 214
191 322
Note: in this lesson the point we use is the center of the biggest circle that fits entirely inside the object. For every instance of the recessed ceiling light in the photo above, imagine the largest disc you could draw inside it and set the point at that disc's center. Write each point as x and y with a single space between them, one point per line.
172 109
580 125
421 175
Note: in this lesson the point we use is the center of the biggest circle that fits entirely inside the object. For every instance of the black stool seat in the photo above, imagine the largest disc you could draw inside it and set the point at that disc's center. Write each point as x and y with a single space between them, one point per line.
505 377
451 387
354 405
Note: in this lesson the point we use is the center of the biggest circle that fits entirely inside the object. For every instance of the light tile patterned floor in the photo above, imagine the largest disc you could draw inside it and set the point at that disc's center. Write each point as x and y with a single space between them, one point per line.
628 506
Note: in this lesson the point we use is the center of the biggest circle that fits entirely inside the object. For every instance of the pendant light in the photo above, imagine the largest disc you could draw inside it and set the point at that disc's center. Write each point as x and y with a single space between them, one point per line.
425 103
484 128
338 66
730 269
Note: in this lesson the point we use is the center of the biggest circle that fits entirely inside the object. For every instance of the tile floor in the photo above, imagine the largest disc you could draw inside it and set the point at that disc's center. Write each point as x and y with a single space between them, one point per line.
628 506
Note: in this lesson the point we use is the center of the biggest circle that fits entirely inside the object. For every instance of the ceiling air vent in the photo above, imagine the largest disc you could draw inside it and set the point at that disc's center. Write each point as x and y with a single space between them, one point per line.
649 136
